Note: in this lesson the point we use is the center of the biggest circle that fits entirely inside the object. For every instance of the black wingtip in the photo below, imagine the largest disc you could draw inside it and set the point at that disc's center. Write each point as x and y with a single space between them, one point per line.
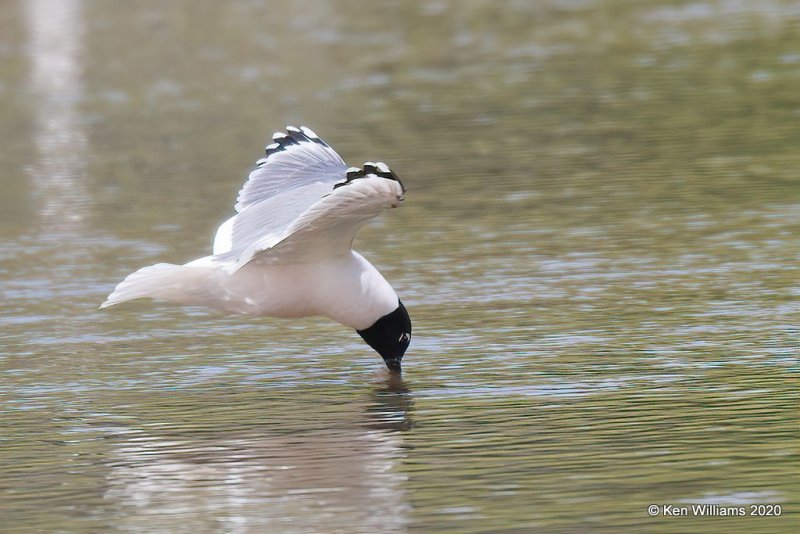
371 168
292 136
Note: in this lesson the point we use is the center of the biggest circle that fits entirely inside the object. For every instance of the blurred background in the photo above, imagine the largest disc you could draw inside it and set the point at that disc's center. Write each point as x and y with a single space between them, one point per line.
599 250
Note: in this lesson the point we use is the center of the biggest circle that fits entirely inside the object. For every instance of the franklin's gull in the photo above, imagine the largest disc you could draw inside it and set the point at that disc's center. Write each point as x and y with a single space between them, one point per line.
288 250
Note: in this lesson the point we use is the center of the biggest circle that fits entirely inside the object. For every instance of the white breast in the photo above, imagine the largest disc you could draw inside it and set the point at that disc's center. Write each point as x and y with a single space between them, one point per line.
348 289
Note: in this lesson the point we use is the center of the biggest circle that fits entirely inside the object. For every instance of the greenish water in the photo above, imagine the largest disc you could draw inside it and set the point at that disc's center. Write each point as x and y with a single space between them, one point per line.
600 251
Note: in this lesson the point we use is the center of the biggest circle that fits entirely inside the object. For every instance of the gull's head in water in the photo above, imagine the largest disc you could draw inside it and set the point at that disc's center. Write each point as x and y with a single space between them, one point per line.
390 336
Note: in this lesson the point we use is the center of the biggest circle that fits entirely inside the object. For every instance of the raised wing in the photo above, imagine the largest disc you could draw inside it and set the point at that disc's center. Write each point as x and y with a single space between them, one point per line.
295 159
298 169
329 227
301 203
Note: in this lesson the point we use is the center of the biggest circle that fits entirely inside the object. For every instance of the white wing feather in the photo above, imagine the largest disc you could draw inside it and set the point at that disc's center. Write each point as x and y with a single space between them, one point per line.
269 219
295 159
223 239
329 227
298 169
301 204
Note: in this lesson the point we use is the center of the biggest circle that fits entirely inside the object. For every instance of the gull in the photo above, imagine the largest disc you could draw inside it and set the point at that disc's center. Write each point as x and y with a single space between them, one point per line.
288 250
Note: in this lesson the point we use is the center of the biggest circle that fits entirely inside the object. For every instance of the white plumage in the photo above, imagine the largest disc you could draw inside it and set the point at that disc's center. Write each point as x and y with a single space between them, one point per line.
288 250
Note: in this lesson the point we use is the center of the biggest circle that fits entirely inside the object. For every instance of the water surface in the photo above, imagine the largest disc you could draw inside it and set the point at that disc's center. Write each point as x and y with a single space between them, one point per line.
599 251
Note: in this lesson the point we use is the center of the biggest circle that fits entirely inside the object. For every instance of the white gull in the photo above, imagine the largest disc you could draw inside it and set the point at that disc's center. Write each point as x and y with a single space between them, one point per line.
288 250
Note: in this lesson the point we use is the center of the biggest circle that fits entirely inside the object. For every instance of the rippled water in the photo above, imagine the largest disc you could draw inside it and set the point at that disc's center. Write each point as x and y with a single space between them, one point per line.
599 249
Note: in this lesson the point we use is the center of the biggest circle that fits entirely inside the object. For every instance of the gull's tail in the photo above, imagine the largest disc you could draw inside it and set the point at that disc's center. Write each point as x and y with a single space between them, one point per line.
182 284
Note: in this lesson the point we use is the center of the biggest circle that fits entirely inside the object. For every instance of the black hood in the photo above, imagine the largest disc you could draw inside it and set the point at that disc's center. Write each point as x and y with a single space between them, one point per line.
390 336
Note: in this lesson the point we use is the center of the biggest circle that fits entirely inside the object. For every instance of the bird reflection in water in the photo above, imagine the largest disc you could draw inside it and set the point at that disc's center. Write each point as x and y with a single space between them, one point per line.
390 405
344 474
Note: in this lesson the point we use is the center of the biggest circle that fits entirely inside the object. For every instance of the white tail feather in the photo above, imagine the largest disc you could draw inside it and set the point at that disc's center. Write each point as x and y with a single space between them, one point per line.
183 284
